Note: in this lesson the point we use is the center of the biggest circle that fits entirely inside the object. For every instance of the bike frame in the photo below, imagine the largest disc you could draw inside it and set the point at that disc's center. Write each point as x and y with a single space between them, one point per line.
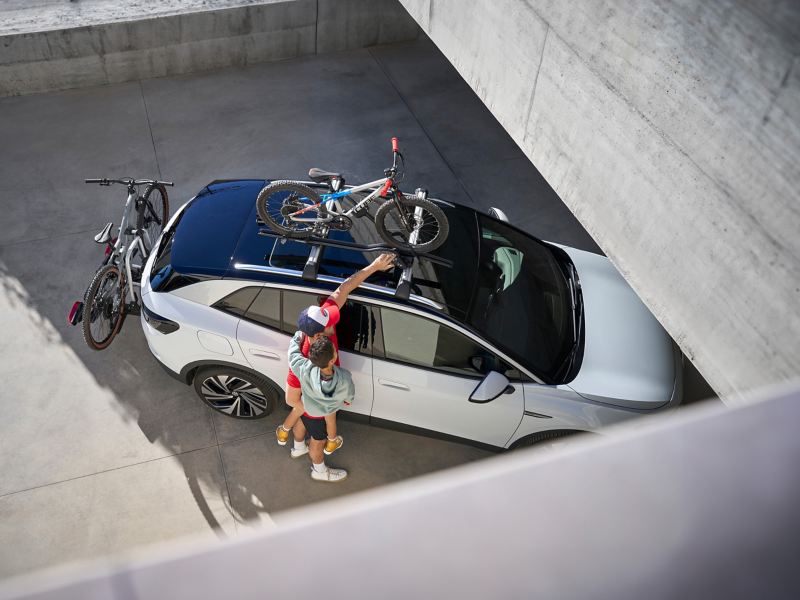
334 200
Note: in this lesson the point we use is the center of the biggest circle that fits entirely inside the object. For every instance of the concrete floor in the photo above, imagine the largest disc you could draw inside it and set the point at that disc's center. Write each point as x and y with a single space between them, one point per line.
101 453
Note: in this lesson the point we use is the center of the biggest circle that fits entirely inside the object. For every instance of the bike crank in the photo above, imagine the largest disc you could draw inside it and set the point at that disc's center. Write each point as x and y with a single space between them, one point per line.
340 223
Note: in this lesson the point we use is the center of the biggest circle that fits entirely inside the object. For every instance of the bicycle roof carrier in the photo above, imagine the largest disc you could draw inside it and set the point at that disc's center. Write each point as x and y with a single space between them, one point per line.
405 257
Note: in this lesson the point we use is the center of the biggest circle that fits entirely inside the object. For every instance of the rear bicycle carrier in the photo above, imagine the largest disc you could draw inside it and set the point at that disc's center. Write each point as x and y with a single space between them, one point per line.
112 294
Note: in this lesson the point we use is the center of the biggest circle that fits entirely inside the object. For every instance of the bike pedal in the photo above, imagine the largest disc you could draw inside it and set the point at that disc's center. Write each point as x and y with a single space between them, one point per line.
133 309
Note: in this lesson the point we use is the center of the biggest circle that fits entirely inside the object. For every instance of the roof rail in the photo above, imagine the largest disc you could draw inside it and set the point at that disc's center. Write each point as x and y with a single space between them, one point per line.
336 280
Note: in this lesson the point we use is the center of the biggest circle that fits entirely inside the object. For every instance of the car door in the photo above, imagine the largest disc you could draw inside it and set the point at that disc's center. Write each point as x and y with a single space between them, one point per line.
423 379
271 320
259 333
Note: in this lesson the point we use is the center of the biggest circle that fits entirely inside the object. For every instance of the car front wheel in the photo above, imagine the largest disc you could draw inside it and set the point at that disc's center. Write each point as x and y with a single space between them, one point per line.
235 393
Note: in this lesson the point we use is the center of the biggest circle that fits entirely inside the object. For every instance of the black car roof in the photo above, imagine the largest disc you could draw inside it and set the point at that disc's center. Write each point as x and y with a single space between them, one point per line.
220 230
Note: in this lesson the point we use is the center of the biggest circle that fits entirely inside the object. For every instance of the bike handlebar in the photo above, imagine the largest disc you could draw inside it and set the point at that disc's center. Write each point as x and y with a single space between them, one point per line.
394 144
130 181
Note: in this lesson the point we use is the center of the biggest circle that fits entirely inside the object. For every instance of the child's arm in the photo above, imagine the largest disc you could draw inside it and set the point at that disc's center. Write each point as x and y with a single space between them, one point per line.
297 362
351 393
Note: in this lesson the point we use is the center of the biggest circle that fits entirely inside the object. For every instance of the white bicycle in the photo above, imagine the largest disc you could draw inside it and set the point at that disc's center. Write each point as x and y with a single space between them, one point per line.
410 223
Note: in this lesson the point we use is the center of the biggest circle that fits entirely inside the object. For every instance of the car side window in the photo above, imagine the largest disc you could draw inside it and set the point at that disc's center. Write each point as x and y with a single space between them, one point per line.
266 308
352 330
238 302
293 304
418 341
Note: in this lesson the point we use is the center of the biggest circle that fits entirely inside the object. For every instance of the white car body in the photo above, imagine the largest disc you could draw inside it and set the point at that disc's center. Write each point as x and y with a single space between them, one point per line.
630 366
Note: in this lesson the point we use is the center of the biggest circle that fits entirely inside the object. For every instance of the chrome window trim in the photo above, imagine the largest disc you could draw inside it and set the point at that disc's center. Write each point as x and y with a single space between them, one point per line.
336 280
410 309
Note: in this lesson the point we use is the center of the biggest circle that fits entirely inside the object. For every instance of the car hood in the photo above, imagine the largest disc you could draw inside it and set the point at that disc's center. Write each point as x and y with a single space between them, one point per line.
629 360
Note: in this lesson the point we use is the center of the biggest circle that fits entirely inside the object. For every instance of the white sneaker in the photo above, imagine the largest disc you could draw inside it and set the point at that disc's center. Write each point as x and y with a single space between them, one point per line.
298 453
330 475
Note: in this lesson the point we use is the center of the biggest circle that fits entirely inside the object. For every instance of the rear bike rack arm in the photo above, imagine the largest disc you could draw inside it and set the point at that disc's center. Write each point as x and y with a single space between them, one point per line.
136 241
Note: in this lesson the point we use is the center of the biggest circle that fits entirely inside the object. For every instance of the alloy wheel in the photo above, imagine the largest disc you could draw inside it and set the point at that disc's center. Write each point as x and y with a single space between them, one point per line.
233 396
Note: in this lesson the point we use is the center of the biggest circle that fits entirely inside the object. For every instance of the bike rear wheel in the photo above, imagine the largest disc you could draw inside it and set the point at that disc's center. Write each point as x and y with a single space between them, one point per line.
427 224
153 213
280 199
103 305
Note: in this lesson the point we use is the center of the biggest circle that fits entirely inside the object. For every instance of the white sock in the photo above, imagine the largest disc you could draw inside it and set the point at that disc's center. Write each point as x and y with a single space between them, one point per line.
320 468
299 445
332 439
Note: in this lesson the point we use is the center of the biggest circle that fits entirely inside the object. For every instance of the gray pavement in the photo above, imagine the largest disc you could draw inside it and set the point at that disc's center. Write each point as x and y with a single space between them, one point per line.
101 453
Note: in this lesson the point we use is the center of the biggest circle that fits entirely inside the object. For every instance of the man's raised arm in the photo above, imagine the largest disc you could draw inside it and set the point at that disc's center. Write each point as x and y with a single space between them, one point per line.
382 263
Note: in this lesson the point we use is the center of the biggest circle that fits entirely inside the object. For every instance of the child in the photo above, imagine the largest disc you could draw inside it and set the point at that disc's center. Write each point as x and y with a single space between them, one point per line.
325 387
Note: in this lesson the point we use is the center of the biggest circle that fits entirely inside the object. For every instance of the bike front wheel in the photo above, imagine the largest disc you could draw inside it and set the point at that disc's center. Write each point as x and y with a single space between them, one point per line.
280 199
153 213
103 305
421 227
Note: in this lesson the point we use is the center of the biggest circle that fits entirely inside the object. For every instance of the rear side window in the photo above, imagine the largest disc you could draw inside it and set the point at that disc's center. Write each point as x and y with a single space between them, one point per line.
280 310
418 341
293 304
238 302
266 308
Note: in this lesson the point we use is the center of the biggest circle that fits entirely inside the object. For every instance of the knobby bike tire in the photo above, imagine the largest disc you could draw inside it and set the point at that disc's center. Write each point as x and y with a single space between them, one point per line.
151 196
88 300
389 207
289 186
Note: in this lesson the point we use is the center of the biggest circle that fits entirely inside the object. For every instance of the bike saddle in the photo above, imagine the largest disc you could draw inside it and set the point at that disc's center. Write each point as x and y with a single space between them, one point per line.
104 236
320 176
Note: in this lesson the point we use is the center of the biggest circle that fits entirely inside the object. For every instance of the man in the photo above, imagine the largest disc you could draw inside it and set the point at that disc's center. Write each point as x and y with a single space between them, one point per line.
315 322
326 388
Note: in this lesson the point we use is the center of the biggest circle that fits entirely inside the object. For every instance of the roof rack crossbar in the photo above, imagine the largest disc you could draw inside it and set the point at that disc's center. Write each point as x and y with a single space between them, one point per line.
406 259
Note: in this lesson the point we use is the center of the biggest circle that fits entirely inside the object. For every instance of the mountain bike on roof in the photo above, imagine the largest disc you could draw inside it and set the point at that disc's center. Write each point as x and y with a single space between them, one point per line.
410 223
112 294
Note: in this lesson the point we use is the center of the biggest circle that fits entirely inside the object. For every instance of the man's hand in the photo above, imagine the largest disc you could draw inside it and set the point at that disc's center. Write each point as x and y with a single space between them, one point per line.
383 262
347 403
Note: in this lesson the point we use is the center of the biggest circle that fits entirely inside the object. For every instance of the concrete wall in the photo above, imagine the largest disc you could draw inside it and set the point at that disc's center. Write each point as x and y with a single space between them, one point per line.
671 129
693 508
194 40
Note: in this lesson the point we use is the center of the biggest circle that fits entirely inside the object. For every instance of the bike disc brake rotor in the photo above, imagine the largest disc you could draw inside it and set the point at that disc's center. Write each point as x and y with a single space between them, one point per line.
419 223
292 204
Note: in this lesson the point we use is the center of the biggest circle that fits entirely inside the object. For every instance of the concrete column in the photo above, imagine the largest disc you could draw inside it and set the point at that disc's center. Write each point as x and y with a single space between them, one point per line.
672 132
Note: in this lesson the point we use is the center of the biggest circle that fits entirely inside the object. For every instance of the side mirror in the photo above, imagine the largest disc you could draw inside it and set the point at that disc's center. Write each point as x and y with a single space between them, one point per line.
493 386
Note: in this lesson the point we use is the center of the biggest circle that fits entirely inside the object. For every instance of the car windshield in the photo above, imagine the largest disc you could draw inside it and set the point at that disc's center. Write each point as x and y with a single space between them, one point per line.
521 300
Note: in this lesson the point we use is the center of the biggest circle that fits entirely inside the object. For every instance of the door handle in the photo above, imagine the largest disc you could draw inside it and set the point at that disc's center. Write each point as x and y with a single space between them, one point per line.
394 384
264 354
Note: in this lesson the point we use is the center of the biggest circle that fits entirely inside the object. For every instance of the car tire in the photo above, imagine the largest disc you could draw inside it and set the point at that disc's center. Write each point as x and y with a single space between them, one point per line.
547 442
235 393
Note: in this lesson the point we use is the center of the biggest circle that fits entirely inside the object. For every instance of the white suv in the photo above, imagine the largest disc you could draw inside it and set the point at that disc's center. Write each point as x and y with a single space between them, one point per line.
520 340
